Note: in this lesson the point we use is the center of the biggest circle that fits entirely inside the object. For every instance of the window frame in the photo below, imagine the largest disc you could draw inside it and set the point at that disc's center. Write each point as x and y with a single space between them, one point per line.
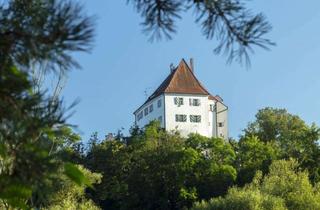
194 102
178 101
182 119
140 115
151 108
195 118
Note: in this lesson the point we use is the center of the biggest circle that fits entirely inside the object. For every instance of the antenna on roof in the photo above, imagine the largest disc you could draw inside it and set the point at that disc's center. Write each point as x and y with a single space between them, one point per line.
146 92
171 67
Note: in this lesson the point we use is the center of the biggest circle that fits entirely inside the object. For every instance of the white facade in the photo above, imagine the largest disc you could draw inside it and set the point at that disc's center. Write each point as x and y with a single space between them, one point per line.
213 115
157 112
181 103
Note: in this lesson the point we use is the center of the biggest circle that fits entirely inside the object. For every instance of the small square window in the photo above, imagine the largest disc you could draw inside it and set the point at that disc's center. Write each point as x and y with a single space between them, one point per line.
195 118
178 101
181 118
146 111
150 108
159 103
140 115
194 102
220 124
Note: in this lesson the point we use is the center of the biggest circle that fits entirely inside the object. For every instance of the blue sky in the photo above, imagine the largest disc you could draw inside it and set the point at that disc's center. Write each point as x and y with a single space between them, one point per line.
123 65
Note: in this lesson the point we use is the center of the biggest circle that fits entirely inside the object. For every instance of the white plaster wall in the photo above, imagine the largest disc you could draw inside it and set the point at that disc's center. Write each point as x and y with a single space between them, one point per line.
168 110
212 120
153 115
222 116
188 127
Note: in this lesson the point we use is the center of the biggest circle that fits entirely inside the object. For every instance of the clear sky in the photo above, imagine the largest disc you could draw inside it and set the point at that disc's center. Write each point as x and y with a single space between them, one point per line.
123 65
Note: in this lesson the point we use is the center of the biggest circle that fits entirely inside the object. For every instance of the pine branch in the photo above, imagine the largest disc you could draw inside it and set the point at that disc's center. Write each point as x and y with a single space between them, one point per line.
234 27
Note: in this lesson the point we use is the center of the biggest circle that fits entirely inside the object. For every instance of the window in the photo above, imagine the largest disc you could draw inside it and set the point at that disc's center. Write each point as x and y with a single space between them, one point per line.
150 108
220 124
178 101
160 119
139 116
159 103
212 107
195 118
194 102
146 111
181 118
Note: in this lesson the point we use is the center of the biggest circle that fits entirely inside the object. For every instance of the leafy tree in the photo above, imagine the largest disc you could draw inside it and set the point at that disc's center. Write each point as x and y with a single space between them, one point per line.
72 196
33 142
173 171
162 166
290 134
230 22
254 155
45 31
110 159
215 172
285 187
33 132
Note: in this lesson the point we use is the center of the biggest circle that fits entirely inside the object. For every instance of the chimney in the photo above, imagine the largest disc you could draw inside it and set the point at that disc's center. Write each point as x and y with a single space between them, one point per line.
191 65
171 67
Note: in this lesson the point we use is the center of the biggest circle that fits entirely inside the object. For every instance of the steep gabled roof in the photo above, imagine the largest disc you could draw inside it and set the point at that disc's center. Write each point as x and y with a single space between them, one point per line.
180 80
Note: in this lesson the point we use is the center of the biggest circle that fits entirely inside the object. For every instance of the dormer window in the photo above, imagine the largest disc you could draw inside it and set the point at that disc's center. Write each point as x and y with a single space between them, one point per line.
194 102
178 101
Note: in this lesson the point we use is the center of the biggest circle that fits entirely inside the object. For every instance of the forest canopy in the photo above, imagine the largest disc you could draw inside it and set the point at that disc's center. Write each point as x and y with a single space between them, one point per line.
44 163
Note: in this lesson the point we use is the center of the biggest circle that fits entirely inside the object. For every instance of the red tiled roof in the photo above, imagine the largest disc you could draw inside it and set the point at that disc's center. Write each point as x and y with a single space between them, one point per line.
181 80
211 97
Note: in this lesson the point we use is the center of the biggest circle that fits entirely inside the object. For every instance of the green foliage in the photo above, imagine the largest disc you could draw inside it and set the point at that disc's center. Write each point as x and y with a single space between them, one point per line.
33 139
71 195
154 169
291 135
215 171
230 22
75 174
276 124
285 187
33 134
254 155
34 31
285 180
26 123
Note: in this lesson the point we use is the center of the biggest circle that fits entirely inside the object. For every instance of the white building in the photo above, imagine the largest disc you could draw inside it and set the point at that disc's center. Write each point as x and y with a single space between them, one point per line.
182 103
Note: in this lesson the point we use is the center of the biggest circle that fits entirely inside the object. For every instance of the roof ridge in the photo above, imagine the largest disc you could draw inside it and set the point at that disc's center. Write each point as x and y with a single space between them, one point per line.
181 80
196 77
165 83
